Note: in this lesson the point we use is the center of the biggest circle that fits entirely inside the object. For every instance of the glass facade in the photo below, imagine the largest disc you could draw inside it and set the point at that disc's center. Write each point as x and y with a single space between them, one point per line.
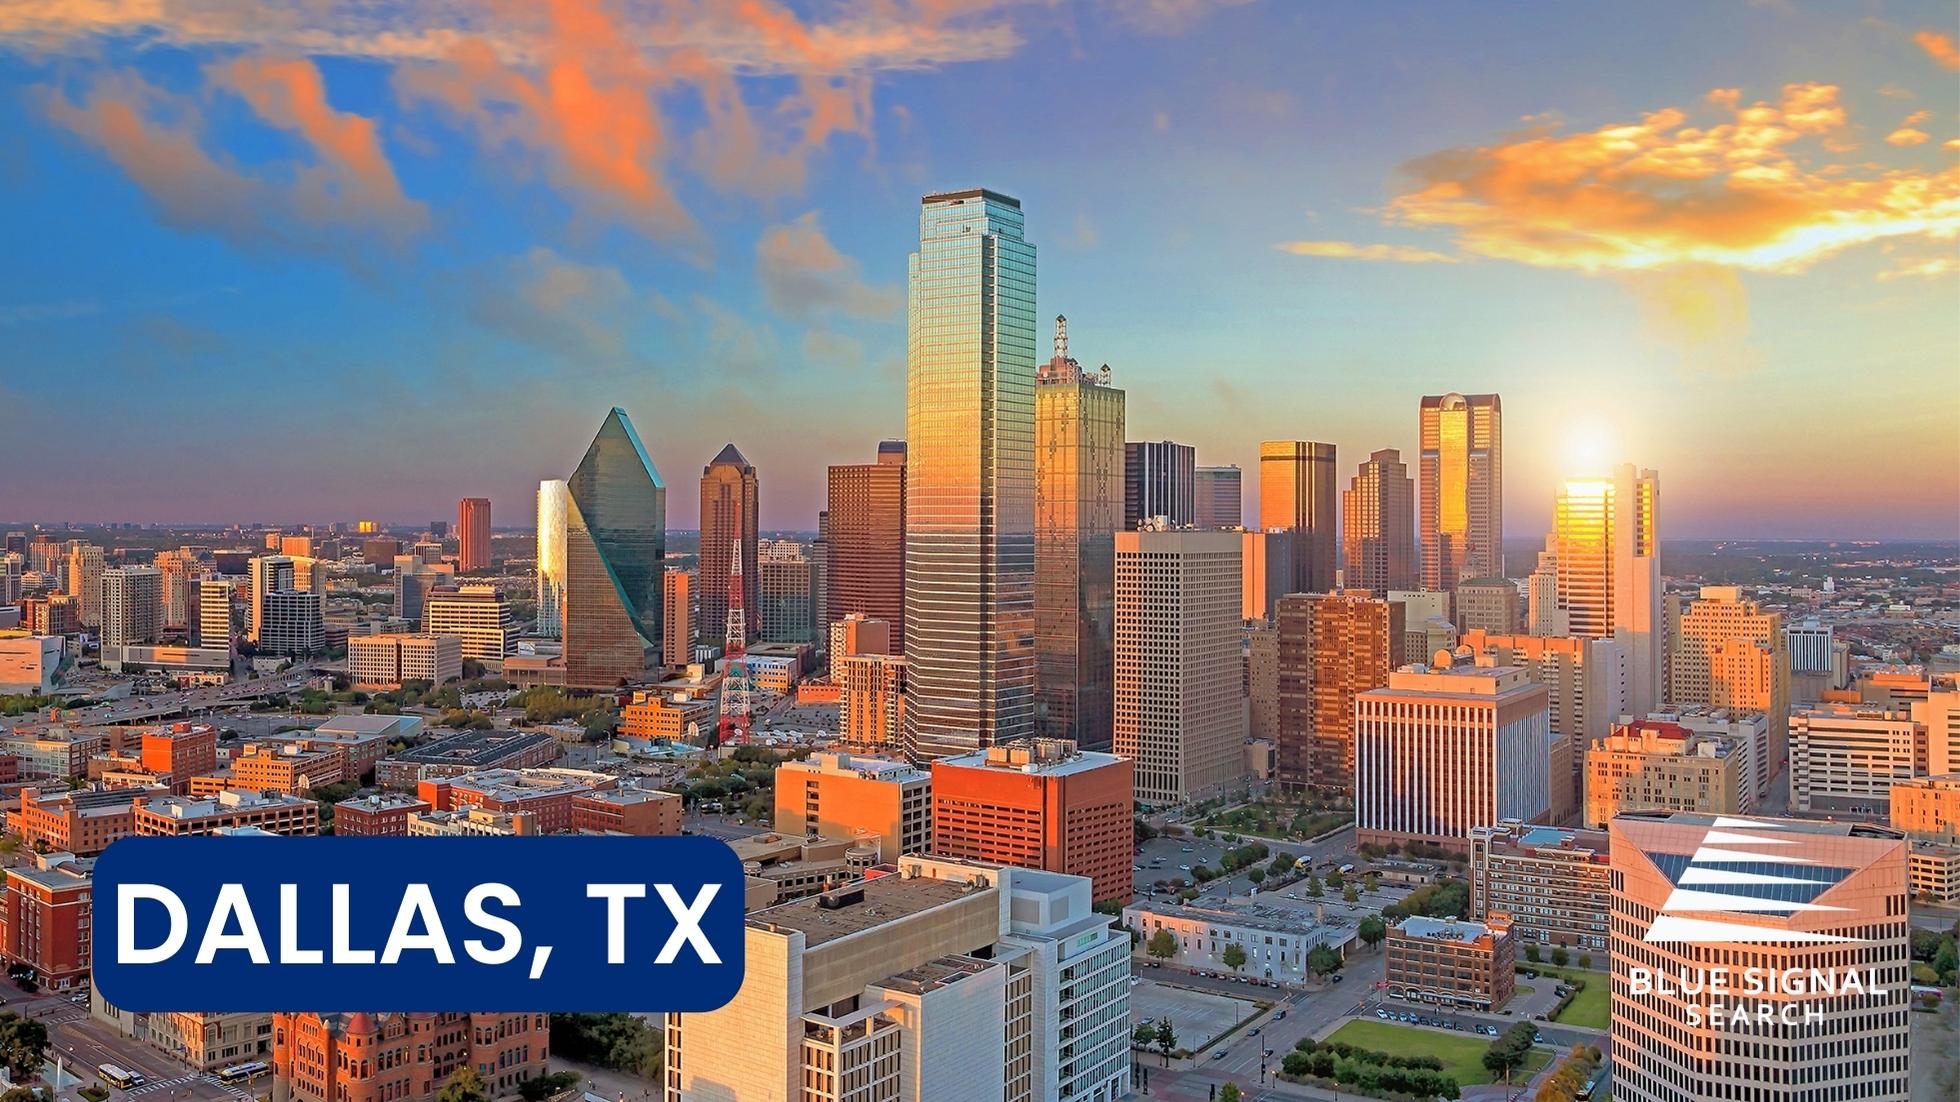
1079 496
1297 493
730 507
969 523
1461 470
616 537
554 505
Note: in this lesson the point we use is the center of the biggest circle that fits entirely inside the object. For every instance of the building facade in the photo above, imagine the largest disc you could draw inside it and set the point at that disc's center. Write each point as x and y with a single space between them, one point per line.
1331 648
1605 544
476 615
864 533
839 795
615 538
1159 480
1845 758
1039 804
473 534
1651 764
731 497
1556 885
1297 493
1378 537
1218 501
1452 962
1461 471
376 1057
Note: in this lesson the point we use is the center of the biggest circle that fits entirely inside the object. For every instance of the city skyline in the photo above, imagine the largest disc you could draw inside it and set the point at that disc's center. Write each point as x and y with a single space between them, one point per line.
368 296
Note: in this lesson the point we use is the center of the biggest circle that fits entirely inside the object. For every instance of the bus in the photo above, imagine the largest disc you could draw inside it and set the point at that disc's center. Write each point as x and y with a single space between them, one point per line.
116 1076
240 1073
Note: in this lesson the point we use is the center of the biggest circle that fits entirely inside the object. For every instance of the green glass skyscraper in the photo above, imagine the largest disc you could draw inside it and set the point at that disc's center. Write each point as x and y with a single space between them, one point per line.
615 539
969 520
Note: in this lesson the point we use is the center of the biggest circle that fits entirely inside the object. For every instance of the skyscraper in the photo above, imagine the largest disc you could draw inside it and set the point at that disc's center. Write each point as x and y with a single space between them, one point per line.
1378 539
132 605
1078 502
1331 648
615 539
1296 491
865 535
969 520
1217 499
678 611
180 571
1178 710
473 534
554 507
730 505
788 588
85 580
1159 480
1462 473
1605 544
285 619
1727 652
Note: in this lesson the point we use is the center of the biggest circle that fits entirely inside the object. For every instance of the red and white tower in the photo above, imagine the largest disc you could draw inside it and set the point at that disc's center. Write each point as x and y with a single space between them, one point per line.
735 682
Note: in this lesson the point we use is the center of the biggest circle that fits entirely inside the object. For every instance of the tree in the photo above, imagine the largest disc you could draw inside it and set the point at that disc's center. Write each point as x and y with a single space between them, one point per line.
1508 1052
1350 895
1531 953
1234 957
1371 882
1166 1038
23 1045
1313 887
1163 945
1145 1035
1335 879
1947 961
1229 1093
1560 956
1585 960
1322 960
540 1087
1372 930
1257 876
463 1085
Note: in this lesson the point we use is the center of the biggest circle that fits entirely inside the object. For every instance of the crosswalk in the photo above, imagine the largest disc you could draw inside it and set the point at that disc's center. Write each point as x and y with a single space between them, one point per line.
155 1085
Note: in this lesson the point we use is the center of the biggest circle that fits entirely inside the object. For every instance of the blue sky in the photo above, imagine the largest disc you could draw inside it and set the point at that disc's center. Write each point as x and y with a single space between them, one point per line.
347 260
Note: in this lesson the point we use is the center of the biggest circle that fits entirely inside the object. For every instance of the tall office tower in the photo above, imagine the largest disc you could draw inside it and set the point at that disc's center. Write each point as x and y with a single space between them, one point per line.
1266 559
1813 913
866 537
212 627
268 574
678 601
788 590
1726 652
554 506
1178 710
132 605
85 581
1586 680
1462 473
1605 544
1159 480
1040 804
311 576
615 539
820 580
475 613
414 578
179 570
947 981
45 554
1542 616
16 544
1078 504
1217 501
969 495
1378 538
730 504
1332 647
12 567
1296 491
1809 643
439 529
1440 751
1489 604
473 534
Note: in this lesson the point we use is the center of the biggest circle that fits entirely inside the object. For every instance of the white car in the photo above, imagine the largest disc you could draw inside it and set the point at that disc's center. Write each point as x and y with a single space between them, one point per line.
1184 868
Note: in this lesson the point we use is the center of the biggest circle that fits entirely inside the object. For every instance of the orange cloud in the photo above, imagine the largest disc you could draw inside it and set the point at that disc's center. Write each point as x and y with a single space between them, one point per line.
1906 135
803 274
1350 251
1930 268
1939 47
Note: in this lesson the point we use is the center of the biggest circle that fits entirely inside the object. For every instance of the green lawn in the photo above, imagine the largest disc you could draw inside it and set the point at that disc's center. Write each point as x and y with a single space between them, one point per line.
1462 1056
1589 1009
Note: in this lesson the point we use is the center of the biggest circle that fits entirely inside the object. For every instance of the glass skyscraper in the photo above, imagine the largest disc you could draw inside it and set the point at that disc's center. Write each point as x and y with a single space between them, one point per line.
1461 471
615 539
969 521
554 505
1078 505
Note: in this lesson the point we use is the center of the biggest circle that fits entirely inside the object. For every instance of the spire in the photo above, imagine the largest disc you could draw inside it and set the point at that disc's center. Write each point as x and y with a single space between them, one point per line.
1061 338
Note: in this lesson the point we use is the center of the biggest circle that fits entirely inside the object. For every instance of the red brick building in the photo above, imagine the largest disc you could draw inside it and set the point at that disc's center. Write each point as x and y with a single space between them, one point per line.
639 811
1039 804
545 793
83 822
381 1057
382 814
181 750
45 919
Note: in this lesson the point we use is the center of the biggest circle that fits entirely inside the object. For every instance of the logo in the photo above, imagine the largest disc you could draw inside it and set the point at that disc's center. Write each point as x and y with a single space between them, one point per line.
1742 873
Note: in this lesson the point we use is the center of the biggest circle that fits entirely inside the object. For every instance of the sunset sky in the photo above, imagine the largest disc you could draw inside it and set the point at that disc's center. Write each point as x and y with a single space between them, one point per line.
332 259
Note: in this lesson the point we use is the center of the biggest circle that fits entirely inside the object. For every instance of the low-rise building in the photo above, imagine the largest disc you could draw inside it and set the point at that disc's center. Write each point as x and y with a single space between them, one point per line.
1651 764
46 918
82 822
1845 758
381 814
287 768
1557 885
546 793
186 815
1452 963
471 822
847 796
28 664
376 1057
57 753
674 717
385 661
637 811
1935 870
363 738
467 752
780 868
1277 941
1928 807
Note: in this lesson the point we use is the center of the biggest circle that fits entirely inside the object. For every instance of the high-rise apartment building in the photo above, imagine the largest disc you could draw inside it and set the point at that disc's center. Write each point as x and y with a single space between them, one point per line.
1332 647
554 509
1218 501
1039 804
180 571
1079 498
1179 714
871 701
615 539
283 618
132 605
969 513
1378 536
837 795
477 614
864 536
1557 885
1845 758
84 581
947 981
1726 652
1441 751
788 589
1490 605
1262 680
213 625
473 534
1461 470
1758 959
678 597
730 512
1297 493
1606 545
857 633
1159 480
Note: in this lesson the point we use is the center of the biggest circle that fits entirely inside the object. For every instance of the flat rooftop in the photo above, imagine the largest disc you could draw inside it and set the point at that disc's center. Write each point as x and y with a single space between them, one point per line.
886 899
934 974
1839 829
1440 929
478 748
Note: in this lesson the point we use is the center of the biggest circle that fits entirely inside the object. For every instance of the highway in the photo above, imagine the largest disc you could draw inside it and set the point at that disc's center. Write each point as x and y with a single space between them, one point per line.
138 709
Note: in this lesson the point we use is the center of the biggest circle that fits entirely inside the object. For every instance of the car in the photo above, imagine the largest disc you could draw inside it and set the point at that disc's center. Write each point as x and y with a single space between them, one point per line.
1184 868
1220 1054
1530 975
1537 1038
1134 981
1136 868
1279 1016
1253 1032
1271 1051
1382 1014
1186 849
1336 977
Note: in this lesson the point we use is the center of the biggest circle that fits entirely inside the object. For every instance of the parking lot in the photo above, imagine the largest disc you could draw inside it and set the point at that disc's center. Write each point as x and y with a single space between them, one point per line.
1171 858
1197 1016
